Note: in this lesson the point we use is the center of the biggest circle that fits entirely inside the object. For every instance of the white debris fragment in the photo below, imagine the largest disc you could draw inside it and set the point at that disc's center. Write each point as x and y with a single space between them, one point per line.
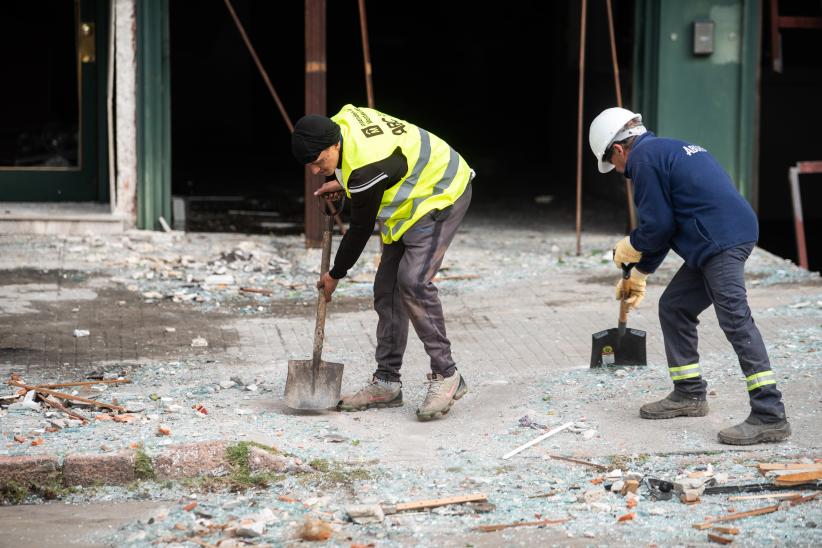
219 279
365 513
81 333
199 341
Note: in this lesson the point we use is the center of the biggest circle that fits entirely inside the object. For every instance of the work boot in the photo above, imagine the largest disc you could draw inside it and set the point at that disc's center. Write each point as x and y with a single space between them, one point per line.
674 405
377 393
754 430
442 392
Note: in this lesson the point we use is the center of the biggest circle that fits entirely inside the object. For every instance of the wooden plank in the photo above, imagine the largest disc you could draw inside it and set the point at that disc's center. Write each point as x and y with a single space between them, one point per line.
540 523
434 503
738 515
756 512
719 539
765 467
52 402
796 479
788 495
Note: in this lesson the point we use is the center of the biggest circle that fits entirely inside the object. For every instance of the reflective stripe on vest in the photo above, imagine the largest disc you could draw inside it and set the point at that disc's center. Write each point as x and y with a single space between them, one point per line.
681 372
408 184
439 187
436 177
759 379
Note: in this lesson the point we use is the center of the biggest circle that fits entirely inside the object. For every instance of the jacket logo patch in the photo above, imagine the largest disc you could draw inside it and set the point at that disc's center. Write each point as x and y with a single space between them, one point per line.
693 149
372 131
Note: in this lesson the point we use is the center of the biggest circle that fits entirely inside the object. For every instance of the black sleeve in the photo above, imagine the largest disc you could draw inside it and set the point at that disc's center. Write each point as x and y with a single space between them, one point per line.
366 185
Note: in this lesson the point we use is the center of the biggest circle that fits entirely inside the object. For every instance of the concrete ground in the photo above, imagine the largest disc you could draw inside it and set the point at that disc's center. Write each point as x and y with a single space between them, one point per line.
521 307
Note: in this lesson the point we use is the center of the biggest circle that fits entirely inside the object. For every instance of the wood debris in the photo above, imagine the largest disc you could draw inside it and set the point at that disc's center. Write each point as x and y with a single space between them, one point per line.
750 513
599 467
64 396
434 503
540 523
266 292
765 467
799 478
719 539
83 383
51 401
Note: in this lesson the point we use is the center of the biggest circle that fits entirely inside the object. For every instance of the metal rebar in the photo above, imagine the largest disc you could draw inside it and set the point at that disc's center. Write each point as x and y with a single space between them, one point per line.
579 122
260 67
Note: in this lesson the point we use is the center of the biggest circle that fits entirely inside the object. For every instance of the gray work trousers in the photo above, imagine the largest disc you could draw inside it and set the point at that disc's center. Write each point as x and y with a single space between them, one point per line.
721 282
403 291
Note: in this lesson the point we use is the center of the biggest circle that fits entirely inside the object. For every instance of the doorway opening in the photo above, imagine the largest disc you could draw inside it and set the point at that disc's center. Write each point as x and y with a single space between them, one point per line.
500 86
790 122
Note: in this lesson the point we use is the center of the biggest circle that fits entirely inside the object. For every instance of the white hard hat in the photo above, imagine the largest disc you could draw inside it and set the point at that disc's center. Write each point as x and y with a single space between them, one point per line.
607 128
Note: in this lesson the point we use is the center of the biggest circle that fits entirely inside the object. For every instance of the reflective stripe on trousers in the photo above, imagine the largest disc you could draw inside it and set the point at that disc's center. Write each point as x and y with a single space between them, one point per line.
685 372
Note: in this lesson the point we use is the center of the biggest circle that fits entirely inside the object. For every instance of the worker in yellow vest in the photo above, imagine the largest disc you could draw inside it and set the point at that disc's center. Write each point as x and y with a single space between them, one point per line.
420 188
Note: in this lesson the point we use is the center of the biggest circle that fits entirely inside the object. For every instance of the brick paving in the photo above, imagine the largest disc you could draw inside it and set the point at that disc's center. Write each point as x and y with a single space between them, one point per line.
518 331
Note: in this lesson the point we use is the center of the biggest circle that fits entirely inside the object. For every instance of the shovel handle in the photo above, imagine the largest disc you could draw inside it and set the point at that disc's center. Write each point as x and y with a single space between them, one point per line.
626 290
319 326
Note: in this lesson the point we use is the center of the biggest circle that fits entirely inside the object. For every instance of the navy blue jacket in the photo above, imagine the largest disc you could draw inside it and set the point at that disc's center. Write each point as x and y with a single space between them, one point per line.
685 202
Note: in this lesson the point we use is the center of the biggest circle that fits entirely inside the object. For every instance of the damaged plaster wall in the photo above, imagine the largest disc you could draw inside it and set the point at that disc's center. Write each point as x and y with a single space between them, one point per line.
126 106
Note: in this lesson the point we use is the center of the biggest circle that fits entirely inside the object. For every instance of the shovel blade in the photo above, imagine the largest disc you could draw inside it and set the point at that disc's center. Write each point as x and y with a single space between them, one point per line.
608 348
306 390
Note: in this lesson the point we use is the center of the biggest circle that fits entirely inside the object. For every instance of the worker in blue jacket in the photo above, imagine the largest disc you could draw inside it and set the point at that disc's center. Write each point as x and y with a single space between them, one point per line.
687 203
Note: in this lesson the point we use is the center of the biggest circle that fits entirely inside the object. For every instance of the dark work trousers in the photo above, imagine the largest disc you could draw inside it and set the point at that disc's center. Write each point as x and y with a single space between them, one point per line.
721 282
403 290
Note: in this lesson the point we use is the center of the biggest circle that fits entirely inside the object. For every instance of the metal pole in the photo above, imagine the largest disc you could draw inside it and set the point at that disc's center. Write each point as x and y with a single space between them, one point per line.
315 96
579 122
369 87
259 65
629 192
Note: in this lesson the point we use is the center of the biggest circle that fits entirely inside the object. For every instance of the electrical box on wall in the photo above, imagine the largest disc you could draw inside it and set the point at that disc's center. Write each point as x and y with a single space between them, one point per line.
703 37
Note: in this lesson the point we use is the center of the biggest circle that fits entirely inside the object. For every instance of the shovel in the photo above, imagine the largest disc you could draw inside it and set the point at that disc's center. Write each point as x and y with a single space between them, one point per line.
314 383
619 345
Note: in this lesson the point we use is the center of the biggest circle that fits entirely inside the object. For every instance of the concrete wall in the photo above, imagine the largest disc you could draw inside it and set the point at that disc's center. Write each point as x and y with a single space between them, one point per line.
126 107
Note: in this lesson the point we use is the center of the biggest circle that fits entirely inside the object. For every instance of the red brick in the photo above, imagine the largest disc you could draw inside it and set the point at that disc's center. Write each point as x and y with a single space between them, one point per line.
191 460
24 469
104 469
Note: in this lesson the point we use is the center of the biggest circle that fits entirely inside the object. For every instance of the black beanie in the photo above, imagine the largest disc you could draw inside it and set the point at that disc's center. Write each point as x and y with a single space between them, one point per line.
312 135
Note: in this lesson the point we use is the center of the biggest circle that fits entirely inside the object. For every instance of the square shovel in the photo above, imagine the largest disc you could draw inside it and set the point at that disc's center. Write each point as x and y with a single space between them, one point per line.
619 345
314 383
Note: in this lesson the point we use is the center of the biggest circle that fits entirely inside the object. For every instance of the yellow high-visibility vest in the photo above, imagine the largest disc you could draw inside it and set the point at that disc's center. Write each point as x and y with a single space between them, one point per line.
436 174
